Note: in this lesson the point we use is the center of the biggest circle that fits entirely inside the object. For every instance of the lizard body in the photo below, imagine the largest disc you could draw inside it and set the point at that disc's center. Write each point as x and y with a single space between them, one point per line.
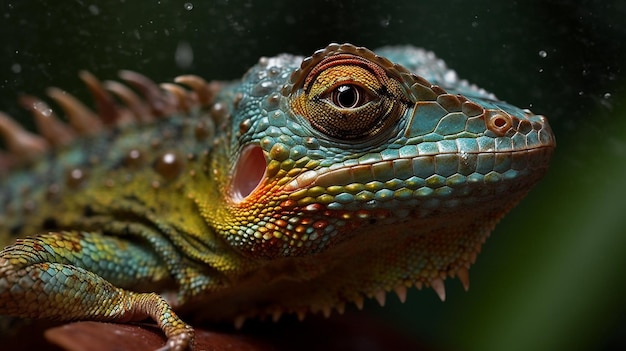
309 184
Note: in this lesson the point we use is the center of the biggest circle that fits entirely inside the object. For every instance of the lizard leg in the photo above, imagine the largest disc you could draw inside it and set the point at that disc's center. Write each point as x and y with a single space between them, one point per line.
62 276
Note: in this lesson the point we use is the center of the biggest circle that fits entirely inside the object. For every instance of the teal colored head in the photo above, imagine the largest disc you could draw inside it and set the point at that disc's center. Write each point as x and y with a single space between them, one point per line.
347 143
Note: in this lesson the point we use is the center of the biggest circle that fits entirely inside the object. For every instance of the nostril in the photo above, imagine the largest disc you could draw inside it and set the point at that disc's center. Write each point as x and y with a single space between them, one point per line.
249 172
498 122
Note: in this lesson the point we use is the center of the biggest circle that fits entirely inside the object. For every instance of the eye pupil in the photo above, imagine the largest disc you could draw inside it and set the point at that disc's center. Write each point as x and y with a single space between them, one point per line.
346 96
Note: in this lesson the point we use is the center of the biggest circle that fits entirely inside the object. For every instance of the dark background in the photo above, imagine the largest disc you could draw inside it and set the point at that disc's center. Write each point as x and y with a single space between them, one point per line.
551 277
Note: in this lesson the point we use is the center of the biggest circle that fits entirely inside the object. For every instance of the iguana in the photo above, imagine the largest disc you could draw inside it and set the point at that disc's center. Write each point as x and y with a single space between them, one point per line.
308 184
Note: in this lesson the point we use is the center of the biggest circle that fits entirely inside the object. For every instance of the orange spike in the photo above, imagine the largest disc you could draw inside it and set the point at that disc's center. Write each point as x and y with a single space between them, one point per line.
239 321
419 285
19 141
341 308
184 101
301 314
358 301
205 91
326 311
463 275
48 124
276 315
108 111
137 107
380 297
439 287
82 119
401 292
160 104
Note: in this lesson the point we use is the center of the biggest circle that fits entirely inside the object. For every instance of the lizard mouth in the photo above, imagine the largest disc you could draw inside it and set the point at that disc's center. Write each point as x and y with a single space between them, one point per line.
249 172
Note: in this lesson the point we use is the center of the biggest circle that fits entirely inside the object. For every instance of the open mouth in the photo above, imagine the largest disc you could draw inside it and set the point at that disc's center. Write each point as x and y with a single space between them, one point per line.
249 172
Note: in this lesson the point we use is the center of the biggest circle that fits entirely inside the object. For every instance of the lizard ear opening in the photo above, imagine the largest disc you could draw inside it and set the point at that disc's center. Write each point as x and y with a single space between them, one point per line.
249 172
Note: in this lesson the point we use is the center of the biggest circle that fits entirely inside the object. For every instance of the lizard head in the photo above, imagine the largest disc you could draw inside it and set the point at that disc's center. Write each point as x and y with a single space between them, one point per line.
348 154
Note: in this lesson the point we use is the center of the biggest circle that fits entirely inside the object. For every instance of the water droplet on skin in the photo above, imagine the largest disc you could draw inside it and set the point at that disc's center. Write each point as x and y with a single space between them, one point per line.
188 6
75 177
607 95
169 165
43 109
133 158
543 54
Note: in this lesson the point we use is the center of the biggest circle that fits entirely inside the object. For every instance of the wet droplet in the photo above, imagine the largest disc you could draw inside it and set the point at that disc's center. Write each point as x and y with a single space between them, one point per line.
42 108
272 102
607 101
219 112
169 165
134 158
543 54
245 126
263 88
75 177
273 71
188 6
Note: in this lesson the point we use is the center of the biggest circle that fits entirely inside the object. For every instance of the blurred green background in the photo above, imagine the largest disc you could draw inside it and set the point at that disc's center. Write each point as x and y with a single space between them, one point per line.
550 277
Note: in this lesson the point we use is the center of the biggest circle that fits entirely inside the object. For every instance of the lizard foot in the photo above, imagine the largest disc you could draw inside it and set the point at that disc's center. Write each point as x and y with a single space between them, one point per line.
179 342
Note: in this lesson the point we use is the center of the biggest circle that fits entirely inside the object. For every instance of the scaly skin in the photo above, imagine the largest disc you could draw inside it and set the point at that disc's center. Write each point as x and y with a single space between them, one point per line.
306 185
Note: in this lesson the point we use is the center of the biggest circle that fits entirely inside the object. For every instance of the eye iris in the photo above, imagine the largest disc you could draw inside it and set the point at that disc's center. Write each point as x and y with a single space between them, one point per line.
346 96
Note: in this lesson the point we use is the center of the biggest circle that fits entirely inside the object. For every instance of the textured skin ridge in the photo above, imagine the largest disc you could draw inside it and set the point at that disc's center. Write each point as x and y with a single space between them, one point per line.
308 184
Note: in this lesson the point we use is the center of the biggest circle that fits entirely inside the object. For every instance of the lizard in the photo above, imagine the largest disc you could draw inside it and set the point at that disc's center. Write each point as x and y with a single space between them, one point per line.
306 185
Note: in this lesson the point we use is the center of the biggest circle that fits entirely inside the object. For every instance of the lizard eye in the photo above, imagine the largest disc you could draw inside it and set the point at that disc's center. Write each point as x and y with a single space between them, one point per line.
347 97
